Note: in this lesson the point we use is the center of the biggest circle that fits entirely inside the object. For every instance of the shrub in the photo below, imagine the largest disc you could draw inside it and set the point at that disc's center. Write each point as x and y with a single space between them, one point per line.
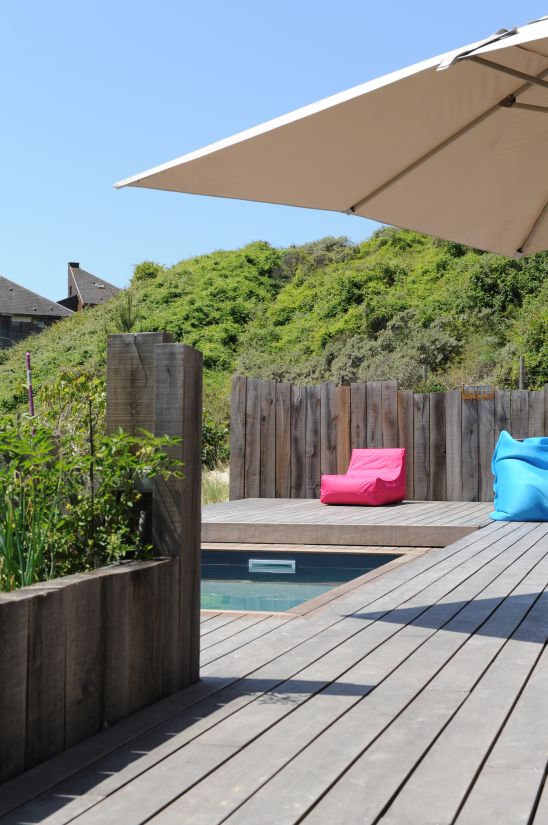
68 492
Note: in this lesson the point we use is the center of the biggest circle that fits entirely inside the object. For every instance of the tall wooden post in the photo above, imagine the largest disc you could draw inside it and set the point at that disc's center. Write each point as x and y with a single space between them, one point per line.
130 380
176 521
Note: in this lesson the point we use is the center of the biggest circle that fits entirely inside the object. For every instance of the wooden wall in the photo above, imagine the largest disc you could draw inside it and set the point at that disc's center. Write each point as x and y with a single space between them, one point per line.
83 652
284 436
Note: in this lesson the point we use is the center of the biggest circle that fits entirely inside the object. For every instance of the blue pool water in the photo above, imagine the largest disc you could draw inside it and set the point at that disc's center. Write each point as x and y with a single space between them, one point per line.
274 582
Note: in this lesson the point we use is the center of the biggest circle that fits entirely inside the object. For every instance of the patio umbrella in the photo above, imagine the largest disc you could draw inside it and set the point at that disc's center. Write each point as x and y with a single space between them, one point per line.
455 146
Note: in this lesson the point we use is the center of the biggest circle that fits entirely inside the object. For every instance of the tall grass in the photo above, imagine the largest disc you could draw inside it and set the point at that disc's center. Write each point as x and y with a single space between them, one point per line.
27 553
215 486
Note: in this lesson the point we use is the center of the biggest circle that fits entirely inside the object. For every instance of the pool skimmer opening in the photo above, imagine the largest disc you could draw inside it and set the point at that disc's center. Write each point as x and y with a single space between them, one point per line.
272 566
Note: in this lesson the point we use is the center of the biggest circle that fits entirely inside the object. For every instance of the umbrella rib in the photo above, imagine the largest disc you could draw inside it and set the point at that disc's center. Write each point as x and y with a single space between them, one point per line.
533 226
440 146
530 51
529 78
530 107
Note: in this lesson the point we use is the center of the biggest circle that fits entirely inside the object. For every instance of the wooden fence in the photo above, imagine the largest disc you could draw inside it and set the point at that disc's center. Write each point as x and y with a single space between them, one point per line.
82 652
284 436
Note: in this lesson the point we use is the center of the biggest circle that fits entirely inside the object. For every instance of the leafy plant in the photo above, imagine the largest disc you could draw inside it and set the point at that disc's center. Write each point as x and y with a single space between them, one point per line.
215 444
69 498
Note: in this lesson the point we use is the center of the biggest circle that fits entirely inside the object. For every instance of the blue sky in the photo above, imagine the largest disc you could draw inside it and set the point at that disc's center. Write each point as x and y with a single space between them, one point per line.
95 92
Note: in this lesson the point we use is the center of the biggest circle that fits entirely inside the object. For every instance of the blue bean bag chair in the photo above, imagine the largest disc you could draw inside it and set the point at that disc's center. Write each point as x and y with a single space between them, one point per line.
521 479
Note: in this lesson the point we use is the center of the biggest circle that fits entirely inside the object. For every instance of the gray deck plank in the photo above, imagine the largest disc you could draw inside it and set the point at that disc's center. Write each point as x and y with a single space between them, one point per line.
209 802
541 813
439 785
206 617
434 584
234 780
289 785
251 633
232 629
241 729
218 621
313 637
309 522
309 638
513 775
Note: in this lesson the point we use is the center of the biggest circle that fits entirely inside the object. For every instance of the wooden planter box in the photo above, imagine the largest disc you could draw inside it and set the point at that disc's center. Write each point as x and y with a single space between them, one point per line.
81 653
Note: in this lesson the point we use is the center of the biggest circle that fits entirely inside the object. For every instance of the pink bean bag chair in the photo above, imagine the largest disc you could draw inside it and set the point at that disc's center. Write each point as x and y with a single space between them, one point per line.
374 477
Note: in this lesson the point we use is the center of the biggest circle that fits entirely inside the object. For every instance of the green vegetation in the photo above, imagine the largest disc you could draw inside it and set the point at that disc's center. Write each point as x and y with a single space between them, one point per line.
69 498
432 314
215 486
400 305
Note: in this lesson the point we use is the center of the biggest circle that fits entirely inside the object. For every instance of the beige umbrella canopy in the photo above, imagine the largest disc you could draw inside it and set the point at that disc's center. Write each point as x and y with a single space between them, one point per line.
456 147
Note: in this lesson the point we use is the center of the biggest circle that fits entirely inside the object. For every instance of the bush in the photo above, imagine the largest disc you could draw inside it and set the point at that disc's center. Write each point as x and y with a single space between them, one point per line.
215 444
68 492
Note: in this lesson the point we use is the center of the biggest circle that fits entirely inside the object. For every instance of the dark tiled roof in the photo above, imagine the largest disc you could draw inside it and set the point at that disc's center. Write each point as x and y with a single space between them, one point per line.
91 289
16 300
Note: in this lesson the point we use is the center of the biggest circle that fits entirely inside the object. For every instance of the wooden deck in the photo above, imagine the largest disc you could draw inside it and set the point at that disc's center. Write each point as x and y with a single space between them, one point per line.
414 698
307 521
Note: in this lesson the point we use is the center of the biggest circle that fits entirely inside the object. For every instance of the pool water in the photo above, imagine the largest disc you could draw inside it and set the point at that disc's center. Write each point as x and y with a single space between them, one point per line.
274 582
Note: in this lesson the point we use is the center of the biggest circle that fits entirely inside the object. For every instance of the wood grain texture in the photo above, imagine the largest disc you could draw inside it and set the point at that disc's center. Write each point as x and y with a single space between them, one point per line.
374 414
116 648
358 416
268 439
519 400
460 429
141 606
130 380
45 723
486 447
91 648
470 448
83 659
384 535
405 437
438 486
502 412
253 438
237 436
312 445
14 627
342 405
328 461
298 438
177 502
166 664
389 403
536 413
453 444
283 440
421 441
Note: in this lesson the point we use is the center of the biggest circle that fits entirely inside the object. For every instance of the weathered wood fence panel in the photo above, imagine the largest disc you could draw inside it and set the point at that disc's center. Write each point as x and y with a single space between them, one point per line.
88 655
311 430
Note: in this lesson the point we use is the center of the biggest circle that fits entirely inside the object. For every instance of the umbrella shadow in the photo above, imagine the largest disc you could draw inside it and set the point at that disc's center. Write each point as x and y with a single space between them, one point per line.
499 617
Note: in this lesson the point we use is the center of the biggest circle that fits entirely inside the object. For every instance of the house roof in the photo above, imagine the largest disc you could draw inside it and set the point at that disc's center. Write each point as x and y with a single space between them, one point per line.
91 289
16 300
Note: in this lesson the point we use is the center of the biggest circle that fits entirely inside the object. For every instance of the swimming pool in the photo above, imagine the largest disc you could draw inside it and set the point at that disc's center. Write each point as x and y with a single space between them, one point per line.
277 581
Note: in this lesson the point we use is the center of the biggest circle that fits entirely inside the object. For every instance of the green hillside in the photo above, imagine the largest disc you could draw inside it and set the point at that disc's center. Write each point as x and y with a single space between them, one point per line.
399 305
